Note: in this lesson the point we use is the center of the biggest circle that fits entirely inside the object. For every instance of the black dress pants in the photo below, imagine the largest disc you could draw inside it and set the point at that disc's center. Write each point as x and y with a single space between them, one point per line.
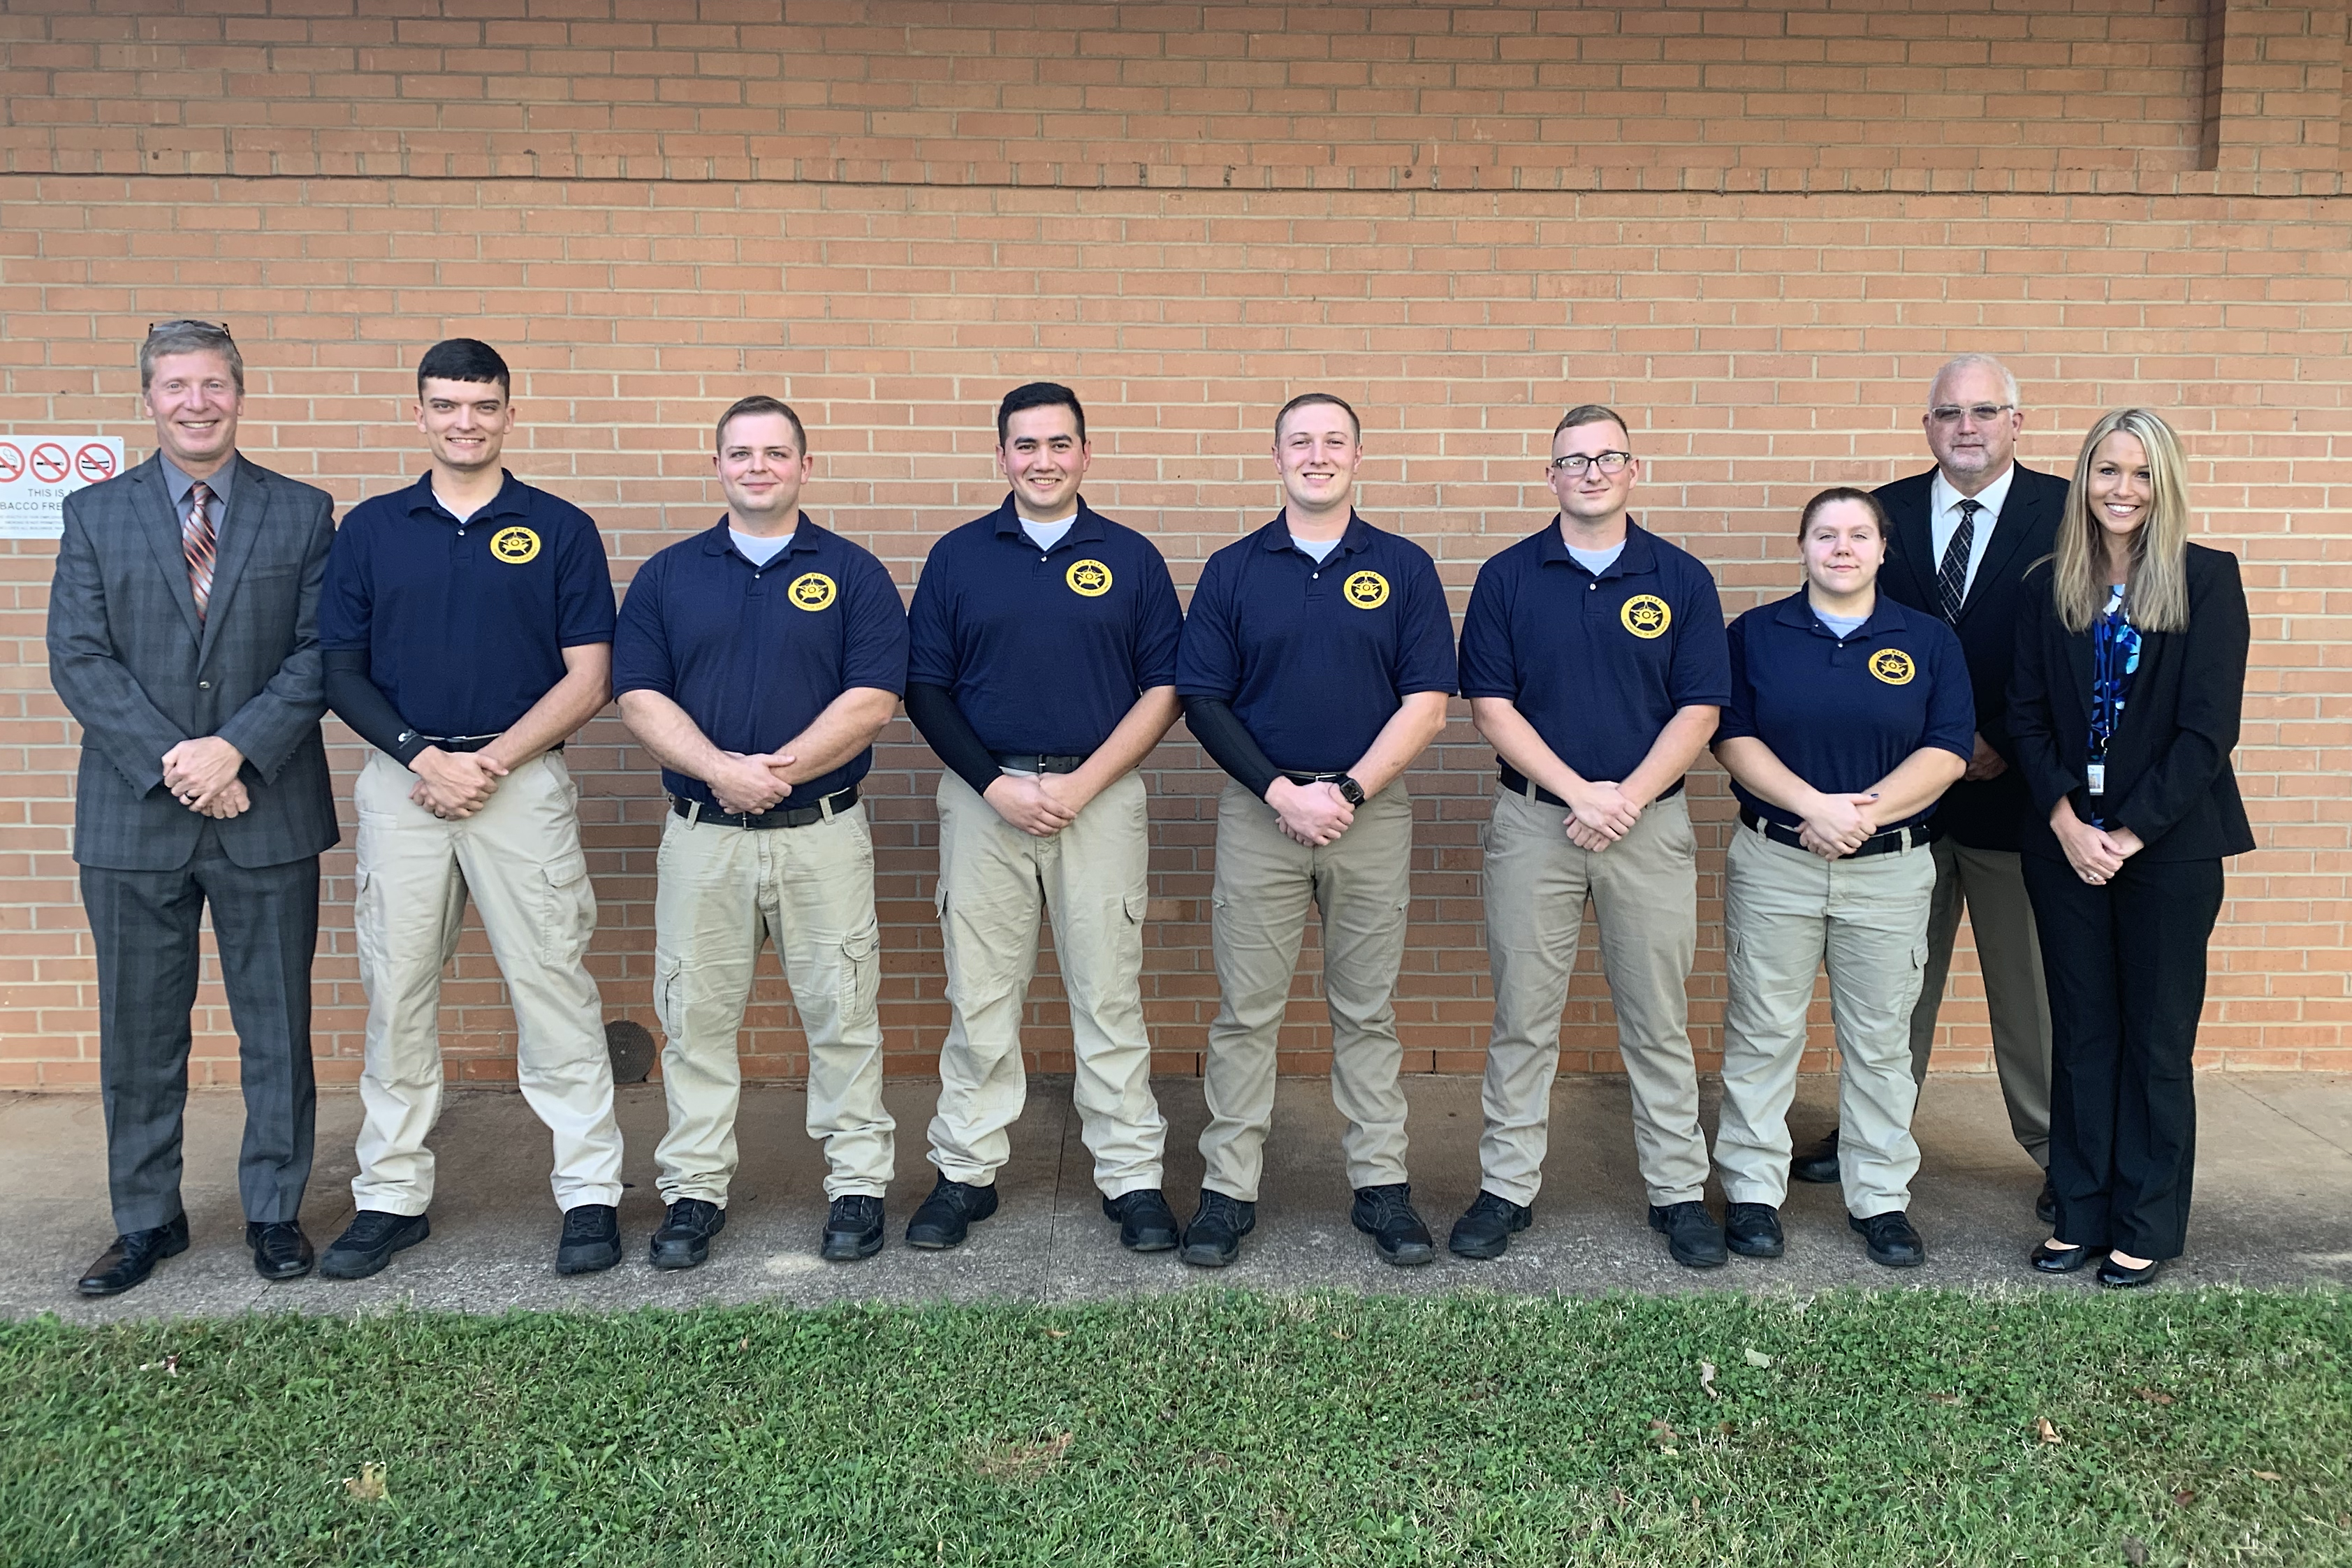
2126 964
143 926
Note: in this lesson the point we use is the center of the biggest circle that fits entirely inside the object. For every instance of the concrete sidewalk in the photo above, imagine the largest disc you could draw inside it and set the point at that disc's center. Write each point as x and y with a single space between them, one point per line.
2273 1206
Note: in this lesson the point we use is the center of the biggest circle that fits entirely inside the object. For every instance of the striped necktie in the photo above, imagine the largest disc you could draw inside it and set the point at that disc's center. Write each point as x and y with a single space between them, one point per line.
1952 579
196 543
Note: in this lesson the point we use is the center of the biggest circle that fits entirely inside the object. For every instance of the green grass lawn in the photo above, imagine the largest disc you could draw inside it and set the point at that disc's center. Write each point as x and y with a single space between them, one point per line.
1898 1428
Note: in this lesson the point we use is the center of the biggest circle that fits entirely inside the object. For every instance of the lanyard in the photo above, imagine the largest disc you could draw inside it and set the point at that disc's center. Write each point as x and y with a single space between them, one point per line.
2115 644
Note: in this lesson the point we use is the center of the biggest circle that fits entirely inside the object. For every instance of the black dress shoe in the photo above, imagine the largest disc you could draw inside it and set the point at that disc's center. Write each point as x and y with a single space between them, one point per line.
1817 1165
280 1250
2046 1208
1485 1227
2115 1276
944 1218
1693 1238
1385 1214
1753 1229
853 1228
1893 1243
1214 1238
1146 1223
591 1241
368 1243
2049 1259
684 1239
133 1257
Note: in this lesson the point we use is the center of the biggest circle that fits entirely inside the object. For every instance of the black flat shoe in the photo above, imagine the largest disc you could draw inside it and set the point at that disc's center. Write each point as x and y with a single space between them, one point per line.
853 1228
2115 1277
684 1239
2049 1259
946 1217
133 1257
1753 1229
369 1243
1385 1214
1485 1227
1817 1165
280 1250
1146 1223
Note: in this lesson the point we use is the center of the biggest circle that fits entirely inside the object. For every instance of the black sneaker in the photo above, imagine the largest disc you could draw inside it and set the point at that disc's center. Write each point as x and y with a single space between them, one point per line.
1893 1243
1753 1229
590 1239
1486 1227
368 1243
1214 1238
1692 1235
950 1210
1817 1165
853 1228
684 1238
1146 1223
1385 1214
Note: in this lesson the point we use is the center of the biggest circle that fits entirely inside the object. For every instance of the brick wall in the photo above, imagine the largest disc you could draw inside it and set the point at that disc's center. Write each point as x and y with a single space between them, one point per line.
887 213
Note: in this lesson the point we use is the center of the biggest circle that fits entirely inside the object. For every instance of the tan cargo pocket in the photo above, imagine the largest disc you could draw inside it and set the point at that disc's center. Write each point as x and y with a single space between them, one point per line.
1138 905
940 900
570 910
666 989
861 974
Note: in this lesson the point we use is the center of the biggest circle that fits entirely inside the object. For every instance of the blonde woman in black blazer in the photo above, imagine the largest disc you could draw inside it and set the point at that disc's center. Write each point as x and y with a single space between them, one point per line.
2130 675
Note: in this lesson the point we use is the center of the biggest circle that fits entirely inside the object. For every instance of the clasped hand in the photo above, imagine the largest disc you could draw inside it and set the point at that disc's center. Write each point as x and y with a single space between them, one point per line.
1599 814
2096 853
201 774
453 785
746 786
1834 826
1311 814
1039 804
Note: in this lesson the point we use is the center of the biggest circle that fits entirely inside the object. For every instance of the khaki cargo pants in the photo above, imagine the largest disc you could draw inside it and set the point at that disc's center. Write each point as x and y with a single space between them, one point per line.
1645 893
1092 879
809 890
1787 910
518 859
1362 883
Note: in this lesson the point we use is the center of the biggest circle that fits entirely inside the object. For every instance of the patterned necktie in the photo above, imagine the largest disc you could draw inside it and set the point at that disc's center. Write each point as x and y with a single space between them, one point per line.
1952 581
196 543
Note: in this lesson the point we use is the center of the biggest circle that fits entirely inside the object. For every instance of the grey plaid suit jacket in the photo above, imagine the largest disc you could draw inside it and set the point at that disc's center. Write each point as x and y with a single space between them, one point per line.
139 672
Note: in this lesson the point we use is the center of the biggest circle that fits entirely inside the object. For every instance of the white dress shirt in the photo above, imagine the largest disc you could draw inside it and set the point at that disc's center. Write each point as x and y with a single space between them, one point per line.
1944 520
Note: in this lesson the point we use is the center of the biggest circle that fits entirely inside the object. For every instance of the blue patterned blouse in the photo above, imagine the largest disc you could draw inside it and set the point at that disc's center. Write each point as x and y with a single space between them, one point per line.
2115 660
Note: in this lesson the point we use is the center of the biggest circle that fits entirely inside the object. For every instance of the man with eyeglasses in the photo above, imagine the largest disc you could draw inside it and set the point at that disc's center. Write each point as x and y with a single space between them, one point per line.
1965 533
1594 658
183 636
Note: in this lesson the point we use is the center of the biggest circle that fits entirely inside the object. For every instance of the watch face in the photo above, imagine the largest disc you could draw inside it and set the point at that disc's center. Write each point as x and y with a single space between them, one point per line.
1351 791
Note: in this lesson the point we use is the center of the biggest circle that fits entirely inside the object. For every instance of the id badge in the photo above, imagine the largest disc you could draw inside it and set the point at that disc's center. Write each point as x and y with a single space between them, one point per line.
2098 781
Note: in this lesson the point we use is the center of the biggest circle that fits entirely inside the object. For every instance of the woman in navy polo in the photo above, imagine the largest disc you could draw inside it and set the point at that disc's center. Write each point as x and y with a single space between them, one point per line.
2131 673
1850 714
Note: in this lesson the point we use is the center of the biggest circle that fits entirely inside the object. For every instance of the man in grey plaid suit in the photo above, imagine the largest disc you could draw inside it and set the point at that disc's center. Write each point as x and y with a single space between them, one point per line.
184 636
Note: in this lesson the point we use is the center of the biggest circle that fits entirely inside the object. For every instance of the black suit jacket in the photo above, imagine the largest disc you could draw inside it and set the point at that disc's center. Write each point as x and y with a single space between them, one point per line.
1984 814
2168 777
143 674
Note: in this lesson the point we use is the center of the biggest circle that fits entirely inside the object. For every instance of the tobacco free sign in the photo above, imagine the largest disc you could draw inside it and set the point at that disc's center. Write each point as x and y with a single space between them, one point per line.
38 472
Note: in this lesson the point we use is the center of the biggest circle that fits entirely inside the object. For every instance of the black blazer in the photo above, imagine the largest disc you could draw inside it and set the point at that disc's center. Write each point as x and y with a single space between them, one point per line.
1988 813
2168 776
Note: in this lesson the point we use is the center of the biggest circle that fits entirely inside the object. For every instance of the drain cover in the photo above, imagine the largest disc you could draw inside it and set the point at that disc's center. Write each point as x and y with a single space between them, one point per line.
632 1045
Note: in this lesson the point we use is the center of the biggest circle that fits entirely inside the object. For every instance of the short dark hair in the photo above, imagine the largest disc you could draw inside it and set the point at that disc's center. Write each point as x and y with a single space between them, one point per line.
1843 493
1593 413
463 359
760 402
1308 400
1038 394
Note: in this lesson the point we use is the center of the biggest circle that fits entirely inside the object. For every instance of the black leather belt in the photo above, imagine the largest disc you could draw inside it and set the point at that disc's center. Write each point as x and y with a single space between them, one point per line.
1313 778
1031 762
456 743
1519 783
831 805
1889 842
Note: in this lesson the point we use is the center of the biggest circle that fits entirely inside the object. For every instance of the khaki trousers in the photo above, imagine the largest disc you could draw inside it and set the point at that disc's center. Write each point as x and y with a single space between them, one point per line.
1265 881
1787 910
518 859
1645 892
811 892
1992 885
1092 879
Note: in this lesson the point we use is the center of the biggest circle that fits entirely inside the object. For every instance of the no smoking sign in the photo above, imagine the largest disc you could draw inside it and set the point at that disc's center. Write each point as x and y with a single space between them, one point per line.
40 470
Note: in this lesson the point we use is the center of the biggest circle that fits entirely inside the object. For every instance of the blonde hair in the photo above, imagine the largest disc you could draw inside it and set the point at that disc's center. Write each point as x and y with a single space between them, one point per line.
2157 587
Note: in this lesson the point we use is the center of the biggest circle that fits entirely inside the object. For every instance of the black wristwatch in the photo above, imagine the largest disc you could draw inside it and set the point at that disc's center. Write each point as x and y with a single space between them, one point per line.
1349 791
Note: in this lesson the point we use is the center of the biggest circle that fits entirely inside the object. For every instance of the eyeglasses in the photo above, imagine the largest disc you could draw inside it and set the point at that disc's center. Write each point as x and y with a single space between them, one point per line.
1983 412
1576 463
220 327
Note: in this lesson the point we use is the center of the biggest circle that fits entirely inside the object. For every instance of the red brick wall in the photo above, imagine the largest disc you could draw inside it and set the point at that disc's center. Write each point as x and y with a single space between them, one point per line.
888 214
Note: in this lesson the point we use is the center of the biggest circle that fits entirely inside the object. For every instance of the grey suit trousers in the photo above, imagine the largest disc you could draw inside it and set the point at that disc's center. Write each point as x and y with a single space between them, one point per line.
143 924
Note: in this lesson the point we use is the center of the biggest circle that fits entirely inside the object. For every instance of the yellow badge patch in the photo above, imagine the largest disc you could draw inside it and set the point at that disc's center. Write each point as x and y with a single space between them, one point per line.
515 545
1087 579
1646 616
1894 667
810 590
1367 590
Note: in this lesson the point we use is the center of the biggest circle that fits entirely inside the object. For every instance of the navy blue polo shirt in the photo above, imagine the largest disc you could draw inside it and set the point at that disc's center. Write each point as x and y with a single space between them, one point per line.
1045 651
1842 715
1597 664
1315 657
754 653
465 623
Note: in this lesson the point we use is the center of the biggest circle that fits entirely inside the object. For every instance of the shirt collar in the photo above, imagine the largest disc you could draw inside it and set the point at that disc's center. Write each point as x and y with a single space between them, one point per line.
1886 618
1276 536
513 500
1086 527
1943 498
720 538
1640 554
180 484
